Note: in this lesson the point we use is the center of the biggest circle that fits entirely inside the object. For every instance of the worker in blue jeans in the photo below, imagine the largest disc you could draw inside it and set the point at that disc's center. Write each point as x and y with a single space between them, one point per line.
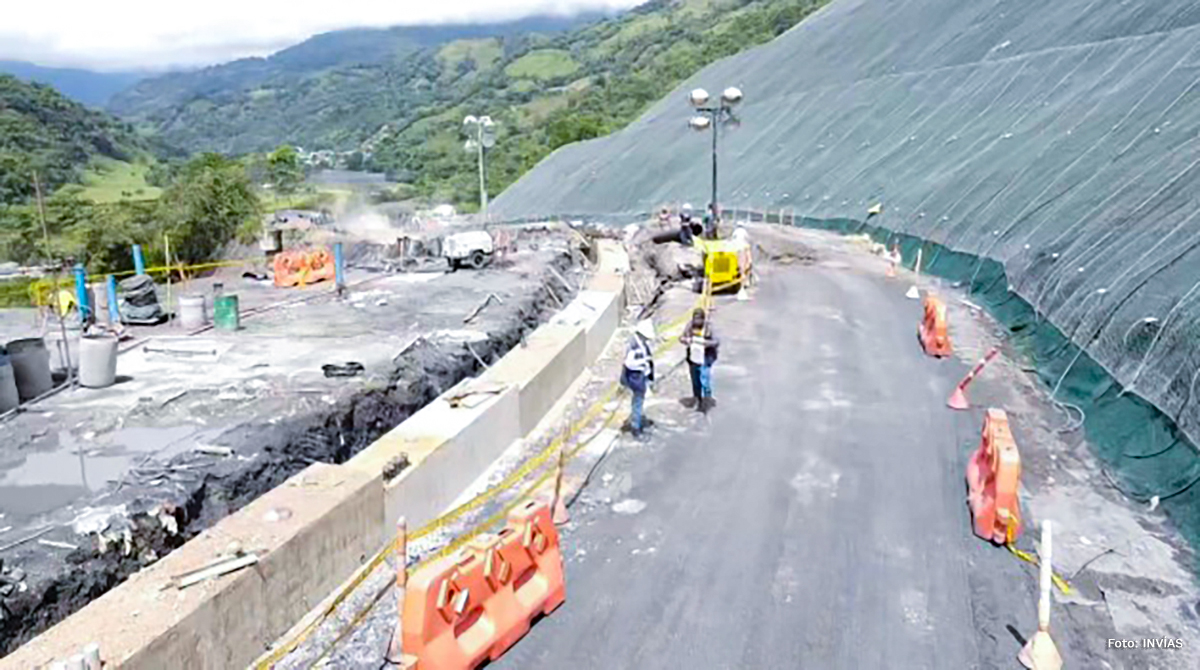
638 372
701 344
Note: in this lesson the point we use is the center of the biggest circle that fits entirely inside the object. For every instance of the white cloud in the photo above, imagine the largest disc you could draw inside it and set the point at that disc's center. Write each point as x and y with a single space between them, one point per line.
118 34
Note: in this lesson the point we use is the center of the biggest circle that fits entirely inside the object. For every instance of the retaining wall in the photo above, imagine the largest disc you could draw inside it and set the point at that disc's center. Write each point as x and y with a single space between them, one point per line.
337 516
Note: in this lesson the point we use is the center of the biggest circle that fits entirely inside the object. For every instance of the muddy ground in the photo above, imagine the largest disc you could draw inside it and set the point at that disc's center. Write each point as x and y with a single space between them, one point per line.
151 490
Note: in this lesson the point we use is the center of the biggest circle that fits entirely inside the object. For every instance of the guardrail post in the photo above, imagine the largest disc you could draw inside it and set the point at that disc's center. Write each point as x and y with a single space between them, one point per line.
139 261
339 270
81 294
110 290
395 653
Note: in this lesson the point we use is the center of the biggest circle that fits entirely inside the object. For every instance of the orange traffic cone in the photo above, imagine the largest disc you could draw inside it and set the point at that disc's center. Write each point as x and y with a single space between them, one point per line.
958 399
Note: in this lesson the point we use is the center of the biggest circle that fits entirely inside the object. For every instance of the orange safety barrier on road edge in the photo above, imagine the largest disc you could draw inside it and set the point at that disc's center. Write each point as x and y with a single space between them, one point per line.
300 267
475 605
993 475
932 331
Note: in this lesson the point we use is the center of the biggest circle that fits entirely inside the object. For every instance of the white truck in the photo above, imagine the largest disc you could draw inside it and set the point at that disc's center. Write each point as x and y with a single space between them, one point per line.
472 249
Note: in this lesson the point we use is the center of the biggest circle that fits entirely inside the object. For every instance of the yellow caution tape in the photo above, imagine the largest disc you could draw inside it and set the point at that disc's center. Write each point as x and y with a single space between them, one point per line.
527 468
1010 542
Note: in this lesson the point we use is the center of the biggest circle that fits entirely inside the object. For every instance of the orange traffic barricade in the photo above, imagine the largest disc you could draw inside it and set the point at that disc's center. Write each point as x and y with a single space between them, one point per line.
300 267
475 605
993 475
932 331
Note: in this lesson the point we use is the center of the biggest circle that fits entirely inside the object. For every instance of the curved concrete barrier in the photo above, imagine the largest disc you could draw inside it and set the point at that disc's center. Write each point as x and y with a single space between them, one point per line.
337 516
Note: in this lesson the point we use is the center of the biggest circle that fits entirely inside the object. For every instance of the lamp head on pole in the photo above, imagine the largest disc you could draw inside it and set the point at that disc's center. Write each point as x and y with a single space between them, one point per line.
698 97
731 96
699 122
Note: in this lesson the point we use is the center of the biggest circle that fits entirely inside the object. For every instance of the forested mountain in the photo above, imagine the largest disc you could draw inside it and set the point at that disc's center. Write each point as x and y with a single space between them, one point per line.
399 96
93 89
585 84
330 91
42 131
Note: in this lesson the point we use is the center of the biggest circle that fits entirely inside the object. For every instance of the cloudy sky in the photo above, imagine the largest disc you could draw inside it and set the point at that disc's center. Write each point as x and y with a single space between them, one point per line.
136 34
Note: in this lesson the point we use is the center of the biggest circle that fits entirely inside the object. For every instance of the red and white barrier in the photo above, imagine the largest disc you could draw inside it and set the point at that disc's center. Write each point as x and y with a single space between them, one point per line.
958 399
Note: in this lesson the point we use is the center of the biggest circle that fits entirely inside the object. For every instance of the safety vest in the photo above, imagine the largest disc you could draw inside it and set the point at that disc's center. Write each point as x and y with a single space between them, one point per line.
638 357
697 344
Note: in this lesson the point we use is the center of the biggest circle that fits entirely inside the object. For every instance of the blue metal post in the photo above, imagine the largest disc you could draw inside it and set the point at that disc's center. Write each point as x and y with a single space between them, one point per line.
139 262
114 312
81 293
339 268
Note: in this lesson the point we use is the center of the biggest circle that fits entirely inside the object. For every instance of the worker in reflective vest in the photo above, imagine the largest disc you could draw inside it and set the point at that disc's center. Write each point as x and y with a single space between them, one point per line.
638 371
701 346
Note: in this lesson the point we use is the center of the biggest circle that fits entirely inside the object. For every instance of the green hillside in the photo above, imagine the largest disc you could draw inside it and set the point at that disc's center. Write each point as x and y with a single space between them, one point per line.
96 176
44 132
331 91
584 84
399 96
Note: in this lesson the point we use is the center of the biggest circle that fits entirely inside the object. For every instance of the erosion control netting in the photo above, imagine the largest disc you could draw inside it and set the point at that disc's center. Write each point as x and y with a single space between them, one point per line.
1059 140
1144 454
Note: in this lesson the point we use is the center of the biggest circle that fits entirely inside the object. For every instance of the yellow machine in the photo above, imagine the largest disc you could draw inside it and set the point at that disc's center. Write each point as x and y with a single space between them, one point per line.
726 262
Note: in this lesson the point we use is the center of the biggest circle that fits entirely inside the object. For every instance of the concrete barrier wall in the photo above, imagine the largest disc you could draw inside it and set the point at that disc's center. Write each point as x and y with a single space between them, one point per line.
340 515
447 448
227 622
598 314
541 368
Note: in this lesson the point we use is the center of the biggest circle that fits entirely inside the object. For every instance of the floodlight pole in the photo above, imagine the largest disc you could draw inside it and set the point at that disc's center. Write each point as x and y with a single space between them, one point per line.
713 211
483 196
721 111
479 131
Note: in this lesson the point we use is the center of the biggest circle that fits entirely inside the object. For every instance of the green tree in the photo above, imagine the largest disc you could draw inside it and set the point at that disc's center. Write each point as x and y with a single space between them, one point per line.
285 170
206 205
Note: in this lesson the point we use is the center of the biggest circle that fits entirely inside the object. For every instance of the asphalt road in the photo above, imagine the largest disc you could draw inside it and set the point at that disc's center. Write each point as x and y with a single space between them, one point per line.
815 519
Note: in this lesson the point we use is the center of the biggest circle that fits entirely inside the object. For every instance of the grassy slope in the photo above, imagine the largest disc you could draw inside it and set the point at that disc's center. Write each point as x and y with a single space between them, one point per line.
107 180
543 64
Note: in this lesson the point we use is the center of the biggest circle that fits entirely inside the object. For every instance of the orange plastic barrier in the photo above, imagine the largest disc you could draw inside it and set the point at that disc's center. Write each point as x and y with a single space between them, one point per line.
993 475
933 333
299 267
477 604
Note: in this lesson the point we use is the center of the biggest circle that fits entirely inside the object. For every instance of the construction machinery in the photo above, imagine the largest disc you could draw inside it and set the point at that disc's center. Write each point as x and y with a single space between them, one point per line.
727 263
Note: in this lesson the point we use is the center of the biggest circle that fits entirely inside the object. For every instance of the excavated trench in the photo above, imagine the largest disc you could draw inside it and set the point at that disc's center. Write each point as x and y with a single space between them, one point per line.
274 452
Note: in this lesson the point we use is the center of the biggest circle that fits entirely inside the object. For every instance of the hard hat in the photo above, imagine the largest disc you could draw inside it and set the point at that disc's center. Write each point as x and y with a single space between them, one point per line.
645 328
686 208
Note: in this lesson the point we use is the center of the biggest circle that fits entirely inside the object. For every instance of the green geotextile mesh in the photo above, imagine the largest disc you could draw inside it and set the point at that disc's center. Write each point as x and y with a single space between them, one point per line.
1060 139
1143 452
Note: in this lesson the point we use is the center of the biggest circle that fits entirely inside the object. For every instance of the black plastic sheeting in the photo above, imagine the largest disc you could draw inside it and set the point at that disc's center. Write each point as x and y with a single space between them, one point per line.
1058 138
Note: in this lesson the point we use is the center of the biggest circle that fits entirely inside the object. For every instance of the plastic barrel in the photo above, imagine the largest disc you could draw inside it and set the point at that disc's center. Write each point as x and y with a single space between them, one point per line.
9 398
225 312
97 361
193 311
31 367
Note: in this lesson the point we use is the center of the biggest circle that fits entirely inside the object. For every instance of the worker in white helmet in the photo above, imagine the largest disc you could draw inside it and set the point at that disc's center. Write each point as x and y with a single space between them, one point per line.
688 228
638 371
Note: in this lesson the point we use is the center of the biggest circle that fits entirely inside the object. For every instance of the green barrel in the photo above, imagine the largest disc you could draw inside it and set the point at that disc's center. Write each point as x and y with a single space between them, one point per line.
225 312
